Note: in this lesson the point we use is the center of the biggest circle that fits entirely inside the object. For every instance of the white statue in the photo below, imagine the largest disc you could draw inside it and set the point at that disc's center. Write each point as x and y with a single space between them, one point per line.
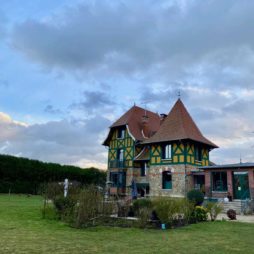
66 186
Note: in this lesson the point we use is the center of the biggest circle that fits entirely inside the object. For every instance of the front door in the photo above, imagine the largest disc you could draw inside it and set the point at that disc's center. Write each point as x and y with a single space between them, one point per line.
241 185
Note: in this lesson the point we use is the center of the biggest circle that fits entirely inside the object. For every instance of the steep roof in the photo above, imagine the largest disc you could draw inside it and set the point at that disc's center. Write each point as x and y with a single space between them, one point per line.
133 119
179 125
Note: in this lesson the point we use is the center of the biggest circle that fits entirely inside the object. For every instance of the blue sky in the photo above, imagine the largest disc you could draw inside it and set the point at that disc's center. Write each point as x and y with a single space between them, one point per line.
70 68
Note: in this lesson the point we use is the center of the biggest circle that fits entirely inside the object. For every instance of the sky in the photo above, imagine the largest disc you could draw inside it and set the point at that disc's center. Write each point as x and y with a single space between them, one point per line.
68 69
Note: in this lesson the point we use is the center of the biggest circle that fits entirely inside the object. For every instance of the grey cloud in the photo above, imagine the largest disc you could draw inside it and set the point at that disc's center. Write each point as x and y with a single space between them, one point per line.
63 141
52 110
93 101
124 37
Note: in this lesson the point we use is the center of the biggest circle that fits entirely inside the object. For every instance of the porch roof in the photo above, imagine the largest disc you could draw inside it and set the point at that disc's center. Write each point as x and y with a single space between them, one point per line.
230 166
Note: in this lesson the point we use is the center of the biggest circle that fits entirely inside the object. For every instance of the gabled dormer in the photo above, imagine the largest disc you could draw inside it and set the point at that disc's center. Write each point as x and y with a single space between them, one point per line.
179 140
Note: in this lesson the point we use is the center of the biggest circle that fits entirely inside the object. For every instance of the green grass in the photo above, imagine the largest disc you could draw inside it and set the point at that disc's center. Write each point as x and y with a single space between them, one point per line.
22 230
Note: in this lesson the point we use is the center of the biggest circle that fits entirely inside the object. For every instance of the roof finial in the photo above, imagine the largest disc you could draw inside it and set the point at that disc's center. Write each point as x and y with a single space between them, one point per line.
179 94
134 104
240 158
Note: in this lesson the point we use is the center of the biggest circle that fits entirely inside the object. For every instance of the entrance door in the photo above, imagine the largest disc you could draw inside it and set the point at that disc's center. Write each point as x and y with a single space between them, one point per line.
241 185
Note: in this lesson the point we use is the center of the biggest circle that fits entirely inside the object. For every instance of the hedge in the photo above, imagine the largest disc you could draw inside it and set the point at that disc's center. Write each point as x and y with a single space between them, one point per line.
21 175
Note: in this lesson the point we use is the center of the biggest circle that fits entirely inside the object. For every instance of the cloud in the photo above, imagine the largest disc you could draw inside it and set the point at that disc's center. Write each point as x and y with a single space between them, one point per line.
52 110
122 37
93 100
64 141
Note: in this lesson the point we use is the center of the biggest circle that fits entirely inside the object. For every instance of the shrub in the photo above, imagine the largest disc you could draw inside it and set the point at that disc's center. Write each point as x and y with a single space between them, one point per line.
65 207
144 217
196 196
171 211
138 204
213 209
200 214
231 214
90 207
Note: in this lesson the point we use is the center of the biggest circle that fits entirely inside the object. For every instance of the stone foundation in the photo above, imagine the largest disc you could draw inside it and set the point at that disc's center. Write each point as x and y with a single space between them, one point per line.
182 180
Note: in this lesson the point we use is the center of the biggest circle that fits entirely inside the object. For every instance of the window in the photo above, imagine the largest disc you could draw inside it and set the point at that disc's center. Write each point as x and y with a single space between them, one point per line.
143 169
118 179
120 154
166 152
121 132
114 179
198 153
166 180
219 180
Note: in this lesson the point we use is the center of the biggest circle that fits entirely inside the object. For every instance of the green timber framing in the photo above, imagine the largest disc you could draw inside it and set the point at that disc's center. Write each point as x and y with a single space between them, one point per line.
127 144
183 152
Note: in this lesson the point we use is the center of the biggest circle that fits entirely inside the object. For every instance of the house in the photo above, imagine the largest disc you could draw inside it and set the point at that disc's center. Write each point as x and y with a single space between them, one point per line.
163 154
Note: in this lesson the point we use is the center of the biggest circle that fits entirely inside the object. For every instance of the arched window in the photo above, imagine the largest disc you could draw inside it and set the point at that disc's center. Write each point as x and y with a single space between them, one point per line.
166 180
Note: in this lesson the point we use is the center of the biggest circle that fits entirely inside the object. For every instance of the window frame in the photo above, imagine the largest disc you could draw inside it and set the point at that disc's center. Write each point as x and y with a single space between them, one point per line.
166 152
198 153
119 153
164 182
121 133
223 186
143 169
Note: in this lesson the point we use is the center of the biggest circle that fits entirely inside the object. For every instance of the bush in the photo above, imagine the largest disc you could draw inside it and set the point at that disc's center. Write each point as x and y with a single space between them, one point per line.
200 214
65 207
196 196
213 209
172 211
139 204
144 217
231 214
90 207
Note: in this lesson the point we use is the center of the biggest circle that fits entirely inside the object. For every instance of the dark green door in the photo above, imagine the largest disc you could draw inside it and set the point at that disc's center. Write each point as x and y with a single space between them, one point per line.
241 185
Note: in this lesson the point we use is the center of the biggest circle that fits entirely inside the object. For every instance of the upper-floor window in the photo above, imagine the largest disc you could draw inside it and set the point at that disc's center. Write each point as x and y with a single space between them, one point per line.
121 133
166 152
166 180
120 154
198 153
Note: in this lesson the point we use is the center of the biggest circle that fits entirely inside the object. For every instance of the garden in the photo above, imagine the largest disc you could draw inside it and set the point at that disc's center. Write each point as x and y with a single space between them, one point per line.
23 230
87 207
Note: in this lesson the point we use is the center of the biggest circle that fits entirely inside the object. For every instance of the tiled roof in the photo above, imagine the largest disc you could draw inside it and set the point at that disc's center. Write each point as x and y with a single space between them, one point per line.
179 125
133 119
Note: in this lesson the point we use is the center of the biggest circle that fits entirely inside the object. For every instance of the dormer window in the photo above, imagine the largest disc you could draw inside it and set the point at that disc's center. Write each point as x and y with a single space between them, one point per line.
167 152
121 133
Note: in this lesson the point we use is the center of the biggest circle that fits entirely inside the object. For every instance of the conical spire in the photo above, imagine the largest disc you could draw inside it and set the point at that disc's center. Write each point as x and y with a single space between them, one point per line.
179 125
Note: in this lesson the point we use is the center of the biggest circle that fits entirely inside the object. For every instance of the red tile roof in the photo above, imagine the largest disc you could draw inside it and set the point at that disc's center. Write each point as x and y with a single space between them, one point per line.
179 125
134 119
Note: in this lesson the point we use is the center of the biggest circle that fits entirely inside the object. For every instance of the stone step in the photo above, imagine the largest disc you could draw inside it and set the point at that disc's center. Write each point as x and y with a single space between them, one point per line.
235 205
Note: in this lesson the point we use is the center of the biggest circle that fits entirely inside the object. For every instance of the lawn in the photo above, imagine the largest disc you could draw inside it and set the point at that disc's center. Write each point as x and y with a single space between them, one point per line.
22 230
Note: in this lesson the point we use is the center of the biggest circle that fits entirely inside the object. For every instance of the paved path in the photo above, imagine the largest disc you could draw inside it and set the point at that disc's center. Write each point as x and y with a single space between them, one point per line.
239 218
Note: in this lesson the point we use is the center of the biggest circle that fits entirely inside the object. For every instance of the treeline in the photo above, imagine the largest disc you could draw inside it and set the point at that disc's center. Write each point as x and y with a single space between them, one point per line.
21 175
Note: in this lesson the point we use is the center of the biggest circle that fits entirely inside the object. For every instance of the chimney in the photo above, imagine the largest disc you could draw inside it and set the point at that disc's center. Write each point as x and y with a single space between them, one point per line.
144 121
162 117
